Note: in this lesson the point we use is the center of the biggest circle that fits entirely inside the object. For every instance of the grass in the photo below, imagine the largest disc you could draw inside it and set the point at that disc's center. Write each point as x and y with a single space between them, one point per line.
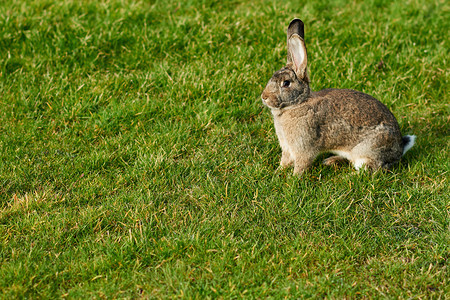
137 160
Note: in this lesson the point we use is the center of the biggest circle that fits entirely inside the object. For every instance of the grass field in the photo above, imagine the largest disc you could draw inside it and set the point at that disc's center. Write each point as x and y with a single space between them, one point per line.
137 160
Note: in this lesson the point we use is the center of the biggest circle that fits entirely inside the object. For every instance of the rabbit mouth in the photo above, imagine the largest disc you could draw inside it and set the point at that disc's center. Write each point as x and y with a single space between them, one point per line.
270 104
275 104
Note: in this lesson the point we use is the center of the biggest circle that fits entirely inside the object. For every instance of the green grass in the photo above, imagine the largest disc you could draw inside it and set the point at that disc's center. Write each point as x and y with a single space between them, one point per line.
137 160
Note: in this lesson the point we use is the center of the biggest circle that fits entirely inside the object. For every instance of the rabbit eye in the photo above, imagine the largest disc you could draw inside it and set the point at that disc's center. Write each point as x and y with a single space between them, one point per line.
286 83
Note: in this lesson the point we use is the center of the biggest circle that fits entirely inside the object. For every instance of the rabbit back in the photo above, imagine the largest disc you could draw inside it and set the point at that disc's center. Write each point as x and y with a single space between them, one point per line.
346 117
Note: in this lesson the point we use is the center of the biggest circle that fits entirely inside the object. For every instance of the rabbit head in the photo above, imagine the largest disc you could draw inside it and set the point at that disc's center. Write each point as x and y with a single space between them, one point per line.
290 85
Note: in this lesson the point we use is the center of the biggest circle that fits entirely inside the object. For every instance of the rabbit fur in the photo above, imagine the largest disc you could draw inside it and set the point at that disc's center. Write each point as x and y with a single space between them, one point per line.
350 124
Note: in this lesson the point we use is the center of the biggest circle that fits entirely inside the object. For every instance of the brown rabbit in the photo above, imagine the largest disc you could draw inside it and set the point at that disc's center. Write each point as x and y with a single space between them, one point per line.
348 123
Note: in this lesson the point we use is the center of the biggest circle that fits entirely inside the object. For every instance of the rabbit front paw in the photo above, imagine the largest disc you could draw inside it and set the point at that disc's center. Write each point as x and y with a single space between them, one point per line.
286 160
300 165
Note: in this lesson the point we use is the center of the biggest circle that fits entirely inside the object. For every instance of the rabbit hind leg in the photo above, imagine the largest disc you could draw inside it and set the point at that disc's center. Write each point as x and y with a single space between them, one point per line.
334 160
367 157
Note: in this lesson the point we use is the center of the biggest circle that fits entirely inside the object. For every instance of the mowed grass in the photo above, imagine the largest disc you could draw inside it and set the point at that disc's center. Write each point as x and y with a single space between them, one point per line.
137 160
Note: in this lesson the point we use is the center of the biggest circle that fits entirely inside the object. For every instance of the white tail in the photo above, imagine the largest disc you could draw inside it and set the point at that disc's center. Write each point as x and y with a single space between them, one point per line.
408 141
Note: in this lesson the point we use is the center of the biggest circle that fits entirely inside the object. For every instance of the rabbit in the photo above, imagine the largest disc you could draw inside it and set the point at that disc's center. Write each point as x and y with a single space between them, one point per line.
350 124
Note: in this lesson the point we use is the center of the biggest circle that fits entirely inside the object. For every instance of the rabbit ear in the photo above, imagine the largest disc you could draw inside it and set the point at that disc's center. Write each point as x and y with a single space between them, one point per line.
296 48
296 26
297 51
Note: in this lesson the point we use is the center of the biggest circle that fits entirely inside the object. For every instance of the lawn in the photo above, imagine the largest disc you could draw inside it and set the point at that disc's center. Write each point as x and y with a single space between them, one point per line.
138 161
